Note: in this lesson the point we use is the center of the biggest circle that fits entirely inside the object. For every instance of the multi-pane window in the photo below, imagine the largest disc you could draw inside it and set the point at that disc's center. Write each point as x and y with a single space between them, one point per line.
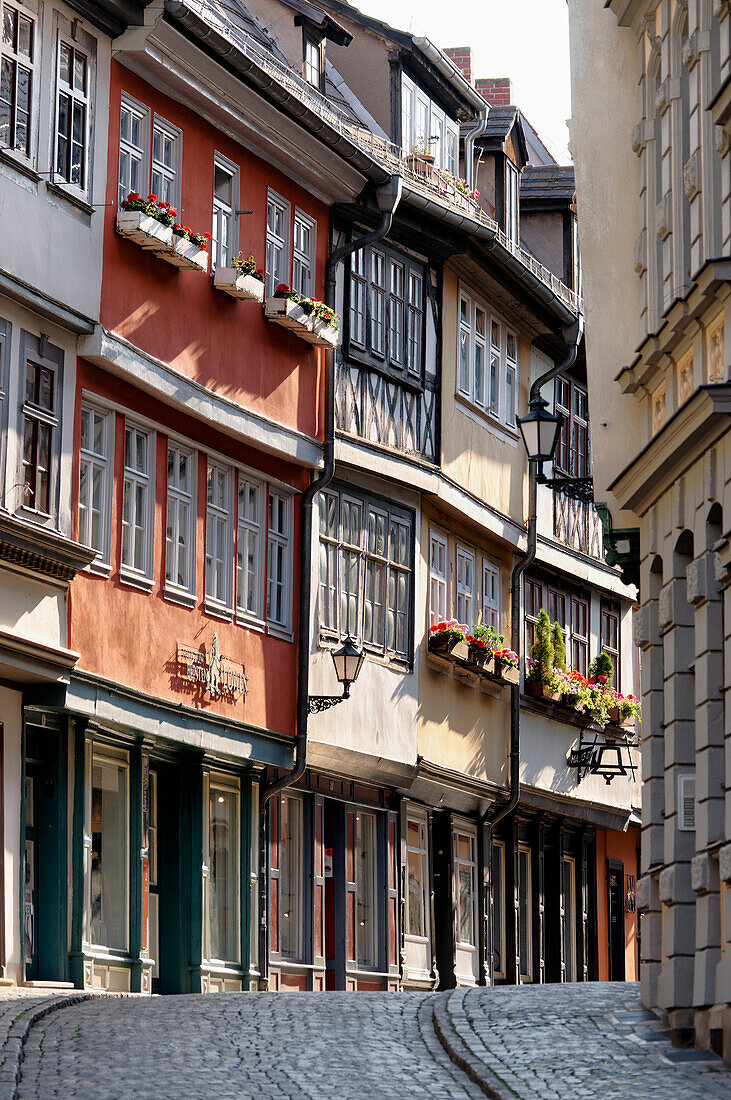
579 635
487 361
495 354
225 199
437 578
533 604
511 377
465 585
97 428
386 309
279 555
525 914
17 57
218 535
291 886
137 499
465 875
40 423
568 930
366 572
132 140
511 202
277 247
303 254
72 112
222 870
609 636
366 889
165 157
425 128
249 547
417 870
498 909
572 450
180 526
106 871
313 63
569 610
490 594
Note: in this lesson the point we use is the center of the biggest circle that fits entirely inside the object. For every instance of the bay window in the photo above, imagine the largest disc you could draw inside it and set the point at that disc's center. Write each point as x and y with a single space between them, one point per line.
385 310
95 463
366 572
138 501
180 523
72 115
17 74
218 536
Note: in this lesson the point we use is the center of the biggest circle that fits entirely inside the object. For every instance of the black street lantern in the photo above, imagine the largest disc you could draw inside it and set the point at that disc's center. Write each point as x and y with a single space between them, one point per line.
348 660
540 430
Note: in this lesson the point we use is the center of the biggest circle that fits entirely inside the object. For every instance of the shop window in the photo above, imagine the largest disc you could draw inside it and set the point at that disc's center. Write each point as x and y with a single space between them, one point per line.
366 892
180 526
417 857
222 870
291 884
465 880
225 202
277 245
437 578
249 546
303 253
386 310
107 849
165 171
218 537
525 914
95 479
572 450
568 888
465 585
133 126
72 115
366 572
490 594
138 503
498 909
279 558
17 74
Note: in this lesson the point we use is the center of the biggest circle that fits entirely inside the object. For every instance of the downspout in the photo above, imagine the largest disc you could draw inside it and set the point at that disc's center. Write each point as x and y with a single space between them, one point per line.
387 197
469 145
572 337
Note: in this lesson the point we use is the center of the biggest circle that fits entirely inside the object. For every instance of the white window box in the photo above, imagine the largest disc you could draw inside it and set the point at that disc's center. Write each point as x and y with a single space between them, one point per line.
289 314
245 288
145 231
322 335
185 254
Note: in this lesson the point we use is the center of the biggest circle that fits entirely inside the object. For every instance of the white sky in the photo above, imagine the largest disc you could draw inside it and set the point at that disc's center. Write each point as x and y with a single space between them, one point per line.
527 40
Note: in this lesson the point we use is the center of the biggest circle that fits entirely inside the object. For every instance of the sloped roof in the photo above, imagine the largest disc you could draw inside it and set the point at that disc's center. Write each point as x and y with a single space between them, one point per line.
548 181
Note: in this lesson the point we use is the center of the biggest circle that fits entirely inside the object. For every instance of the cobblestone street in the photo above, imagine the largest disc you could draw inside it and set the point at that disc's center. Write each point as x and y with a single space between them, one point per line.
570 1041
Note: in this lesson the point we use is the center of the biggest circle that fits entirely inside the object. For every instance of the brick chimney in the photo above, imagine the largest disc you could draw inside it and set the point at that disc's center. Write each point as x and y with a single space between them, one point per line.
496 90
462 58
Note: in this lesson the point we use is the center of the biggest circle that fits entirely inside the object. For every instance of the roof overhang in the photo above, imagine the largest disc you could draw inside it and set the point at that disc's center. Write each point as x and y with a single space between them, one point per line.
113 17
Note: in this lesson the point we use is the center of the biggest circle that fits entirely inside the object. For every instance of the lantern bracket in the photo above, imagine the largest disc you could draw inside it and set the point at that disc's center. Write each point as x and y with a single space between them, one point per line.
578 488
587 758
319 703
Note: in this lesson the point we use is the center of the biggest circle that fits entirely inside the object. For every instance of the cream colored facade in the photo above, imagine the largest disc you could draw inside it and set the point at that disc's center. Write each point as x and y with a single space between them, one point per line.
654 201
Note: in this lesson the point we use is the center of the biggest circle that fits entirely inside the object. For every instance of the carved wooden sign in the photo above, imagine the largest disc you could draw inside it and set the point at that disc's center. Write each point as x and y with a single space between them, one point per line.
212 670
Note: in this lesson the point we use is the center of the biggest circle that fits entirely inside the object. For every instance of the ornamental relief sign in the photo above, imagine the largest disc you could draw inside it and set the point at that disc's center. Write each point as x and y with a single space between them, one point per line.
219 676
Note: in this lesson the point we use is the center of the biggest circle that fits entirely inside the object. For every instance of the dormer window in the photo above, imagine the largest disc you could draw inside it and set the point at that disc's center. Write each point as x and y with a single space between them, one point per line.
314 61
511 202
426 129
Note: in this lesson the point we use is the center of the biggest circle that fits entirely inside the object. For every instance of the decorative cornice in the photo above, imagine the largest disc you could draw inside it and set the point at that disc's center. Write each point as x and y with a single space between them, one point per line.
31 549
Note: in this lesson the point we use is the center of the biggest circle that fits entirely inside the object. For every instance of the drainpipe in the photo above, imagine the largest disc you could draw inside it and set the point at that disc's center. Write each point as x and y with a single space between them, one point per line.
469 144
387 198
572 336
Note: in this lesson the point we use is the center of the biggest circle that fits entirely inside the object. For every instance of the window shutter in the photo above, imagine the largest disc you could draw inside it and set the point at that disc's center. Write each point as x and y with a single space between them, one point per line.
686 803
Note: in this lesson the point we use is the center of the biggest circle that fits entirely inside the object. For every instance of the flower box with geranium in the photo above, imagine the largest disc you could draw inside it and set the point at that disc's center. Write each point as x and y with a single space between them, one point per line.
189 251
244 281
479 654
145 222
444 636
325 332
506 665
290 310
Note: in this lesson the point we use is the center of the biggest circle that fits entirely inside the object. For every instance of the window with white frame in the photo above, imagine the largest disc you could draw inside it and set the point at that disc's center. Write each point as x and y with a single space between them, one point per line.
133 122
313 61
181 513
465 585
17 65
72 114
225 201
165 169
277 246
279 560
218 536
366 571
491 593
303 253
511 202
426 128
40 430
386 309
487 361
417 866
95 464
138 500
249 547
437 578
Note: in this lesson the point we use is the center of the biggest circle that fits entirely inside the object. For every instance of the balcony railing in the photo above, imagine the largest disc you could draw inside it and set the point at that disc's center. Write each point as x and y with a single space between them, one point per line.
576 524
419 178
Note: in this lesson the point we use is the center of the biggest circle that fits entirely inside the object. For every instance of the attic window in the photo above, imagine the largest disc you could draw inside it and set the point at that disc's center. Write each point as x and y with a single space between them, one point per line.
313 63
511 202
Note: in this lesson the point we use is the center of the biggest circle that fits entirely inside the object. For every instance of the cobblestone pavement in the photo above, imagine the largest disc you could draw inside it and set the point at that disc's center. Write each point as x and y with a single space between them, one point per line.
534 1043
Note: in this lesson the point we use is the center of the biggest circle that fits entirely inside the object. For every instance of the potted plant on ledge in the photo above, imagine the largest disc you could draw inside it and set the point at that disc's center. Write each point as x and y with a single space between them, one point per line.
541 673
506 665
482 642
443 637
243 281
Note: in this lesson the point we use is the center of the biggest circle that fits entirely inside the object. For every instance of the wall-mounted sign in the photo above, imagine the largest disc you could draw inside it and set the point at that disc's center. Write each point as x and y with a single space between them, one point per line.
212 670
328 863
